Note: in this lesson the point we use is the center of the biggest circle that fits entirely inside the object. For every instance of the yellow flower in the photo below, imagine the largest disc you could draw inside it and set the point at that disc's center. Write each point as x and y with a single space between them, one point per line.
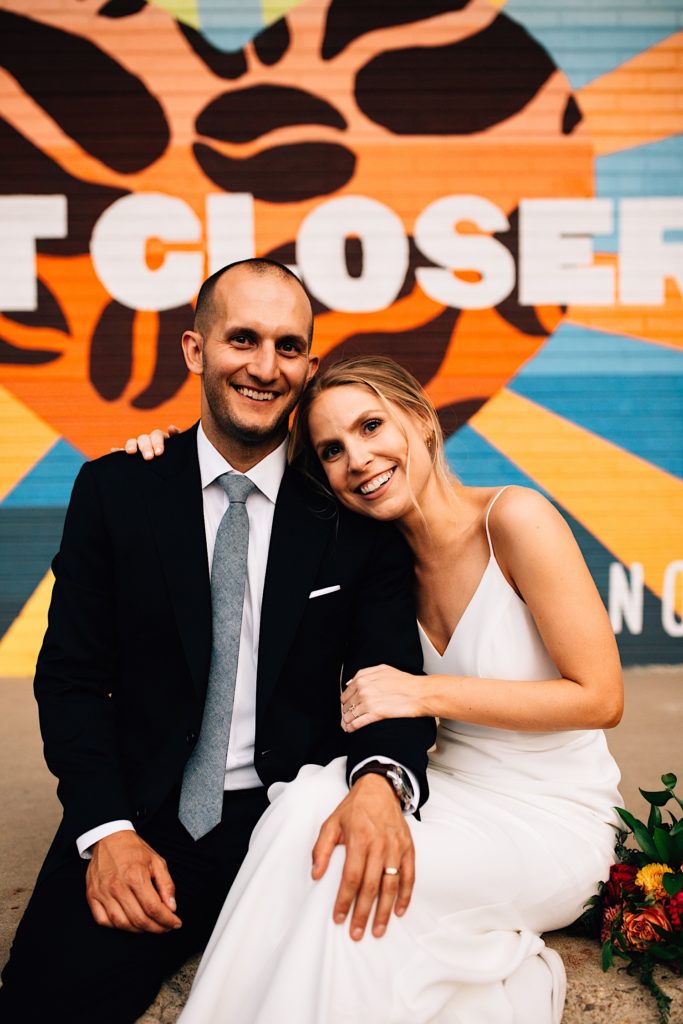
650 877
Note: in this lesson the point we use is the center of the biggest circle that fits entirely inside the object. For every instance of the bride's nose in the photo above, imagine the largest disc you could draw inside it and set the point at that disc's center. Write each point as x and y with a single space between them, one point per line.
358 456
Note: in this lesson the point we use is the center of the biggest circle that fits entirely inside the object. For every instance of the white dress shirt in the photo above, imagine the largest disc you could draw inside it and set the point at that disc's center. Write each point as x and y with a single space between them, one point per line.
240 772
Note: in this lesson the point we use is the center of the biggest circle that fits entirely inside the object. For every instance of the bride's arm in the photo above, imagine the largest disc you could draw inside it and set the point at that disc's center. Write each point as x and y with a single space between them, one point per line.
538 554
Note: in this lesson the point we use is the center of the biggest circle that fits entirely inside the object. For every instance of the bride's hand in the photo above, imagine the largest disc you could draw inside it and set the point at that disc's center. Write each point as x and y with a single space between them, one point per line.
380 692
150 444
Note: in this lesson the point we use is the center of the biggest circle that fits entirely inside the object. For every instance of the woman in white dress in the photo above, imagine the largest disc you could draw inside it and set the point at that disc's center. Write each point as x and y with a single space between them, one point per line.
519 826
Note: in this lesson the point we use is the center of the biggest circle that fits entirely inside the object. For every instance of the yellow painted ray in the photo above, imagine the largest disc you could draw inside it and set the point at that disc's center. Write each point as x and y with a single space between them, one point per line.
25 439
632 507
184 10
20 645
639 101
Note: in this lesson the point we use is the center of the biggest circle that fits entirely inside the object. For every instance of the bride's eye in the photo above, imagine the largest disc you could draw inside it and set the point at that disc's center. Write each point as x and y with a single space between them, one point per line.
370 426
330 451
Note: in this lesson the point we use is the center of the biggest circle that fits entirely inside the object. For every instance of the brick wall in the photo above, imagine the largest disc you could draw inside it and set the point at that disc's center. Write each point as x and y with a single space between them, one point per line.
491 193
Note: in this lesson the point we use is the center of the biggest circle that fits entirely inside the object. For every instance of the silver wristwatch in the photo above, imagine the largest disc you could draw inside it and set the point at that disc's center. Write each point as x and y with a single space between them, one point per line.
396 776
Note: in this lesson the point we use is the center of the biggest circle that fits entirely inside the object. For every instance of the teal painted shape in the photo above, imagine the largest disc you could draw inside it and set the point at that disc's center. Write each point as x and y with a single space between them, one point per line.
574 349
48 484
588 39
652 170
229 25
478 464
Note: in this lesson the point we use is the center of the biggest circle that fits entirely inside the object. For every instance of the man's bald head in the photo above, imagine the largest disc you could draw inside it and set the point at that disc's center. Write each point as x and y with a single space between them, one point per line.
205 308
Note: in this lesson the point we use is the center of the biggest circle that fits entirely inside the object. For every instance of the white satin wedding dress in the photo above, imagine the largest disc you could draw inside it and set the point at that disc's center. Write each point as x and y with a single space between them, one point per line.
517 831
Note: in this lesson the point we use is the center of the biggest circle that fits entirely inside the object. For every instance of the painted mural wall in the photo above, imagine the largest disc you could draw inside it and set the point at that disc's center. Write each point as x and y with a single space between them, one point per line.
490 192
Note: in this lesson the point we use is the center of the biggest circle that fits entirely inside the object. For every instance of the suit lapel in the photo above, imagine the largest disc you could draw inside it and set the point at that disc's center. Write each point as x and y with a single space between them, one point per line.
174 498
299 536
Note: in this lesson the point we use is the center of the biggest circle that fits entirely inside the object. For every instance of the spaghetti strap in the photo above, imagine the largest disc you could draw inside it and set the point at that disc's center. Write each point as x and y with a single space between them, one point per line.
493 501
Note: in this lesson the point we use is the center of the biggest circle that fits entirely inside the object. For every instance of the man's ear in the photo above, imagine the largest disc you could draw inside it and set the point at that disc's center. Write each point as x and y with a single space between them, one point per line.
193 344
313 364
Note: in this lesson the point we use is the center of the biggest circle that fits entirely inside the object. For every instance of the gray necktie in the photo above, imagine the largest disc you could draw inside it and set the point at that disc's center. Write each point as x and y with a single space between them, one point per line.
201 794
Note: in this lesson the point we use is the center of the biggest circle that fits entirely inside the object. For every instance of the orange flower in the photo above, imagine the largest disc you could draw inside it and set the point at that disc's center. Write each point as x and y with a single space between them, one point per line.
638 927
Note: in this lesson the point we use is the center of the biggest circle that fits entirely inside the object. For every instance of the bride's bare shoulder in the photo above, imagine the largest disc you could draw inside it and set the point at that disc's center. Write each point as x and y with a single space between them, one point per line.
523 516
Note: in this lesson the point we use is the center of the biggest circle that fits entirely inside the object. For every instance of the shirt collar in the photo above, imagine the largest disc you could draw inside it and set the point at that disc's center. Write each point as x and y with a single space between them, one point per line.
266 474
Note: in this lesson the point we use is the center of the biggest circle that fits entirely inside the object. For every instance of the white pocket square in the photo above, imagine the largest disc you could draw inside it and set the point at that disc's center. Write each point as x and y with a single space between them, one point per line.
323 590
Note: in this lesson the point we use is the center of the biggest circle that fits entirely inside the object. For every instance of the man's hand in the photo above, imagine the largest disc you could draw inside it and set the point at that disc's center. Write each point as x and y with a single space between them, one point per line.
369 822
128 886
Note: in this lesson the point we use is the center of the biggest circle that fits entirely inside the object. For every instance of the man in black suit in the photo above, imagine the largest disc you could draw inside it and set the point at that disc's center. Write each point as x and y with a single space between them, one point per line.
126 893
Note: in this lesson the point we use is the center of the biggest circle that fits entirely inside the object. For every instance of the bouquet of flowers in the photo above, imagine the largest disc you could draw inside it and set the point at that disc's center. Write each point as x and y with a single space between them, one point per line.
639 909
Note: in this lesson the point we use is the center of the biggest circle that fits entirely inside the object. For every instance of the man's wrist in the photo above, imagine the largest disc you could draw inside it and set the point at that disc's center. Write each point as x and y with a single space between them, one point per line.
396 777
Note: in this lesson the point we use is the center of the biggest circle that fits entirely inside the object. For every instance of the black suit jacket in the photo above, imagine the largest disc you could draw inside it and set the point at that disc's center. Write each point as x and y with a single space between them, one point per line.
122 673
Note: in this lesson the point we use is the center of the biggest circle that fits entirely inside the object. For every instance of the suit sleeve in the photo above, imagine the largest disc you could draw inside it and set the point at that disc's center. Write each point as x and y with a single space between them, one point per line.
77 668
384 632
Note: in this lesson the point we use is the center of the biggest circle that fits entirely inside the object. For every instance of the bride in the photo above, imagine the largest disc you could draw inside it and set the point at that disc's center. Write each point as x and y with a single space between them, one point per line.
523 673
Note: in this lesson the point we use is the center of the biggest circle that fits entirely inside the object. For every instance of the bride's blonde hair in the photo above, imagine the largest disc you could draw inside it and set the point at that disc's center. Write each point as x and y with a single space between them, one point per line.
393 385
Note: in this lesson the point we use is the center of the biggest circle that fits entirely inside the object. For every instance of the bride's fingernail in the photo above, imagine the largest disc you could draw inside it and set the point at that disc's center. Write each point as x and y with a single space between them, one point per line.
357 933
339 918
378 931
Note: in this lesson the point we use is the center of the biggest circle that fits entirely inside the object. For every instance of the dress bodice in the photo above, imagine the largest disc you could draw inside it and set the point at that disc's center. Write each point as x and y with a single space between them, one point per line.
497 638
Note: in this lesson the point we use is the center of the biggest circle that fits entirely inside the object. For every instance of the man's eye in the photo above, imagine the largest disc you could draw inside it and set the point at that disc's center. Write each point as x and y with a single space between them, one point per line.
240 339
289 347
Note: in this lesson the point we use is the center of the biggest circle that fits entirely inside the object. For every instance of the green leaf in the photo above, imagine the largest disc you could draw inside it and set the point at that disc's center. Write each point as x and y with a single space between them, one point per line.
673 883
658 798
607 954
669 780
654 818
677 827
664 845
643 837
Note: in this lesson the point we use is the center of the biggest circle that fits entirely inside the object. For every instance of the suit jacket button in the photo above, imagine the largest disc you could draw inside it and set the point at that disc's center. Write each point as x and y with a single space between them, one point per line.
191 737
140 812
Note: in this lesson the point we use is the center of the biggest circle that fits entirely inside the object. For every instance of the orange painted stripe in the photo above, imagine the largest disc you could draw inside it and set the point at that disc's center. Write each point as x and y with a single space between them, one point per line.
638 102
633 508
662 325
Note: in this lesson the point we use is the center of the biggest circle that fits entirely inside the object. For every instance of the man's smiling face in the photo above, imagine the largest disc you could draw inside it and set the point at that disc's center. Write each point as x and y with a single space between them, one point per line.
253 357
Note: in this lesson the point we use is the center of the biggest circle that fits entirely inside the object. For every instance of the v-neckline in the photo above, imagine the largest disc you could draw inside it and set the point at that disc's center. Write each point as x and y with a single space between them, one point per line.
459 622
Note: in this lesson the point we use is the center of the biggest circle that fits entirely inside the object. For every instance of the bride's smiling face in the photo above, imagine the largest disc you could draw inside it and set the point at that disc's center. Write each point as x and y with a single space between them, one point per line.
374 454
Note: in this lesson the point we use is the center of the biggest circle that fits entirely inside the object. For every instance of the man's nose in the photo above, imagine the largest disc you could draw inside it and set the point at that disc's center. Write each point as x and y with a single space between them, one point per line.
263 364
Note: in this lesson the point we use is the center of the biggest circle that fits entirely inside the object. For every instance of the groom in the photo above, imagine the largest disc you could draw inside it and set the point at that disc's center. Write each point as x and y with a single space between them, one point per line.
142 700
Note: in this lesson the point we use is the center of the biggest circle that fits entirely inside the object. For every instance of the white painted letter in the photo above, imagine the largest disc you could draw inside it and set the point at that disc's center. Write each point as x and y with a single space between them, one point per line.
23 219
322 262
118 251
556 252
625 599
229 228
646 260
670 621
436 235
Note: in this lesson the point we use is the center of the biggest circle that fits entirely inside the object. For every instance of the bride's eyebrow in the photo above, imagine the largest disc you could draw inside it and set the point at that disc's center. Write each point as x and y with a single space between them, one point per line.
369 415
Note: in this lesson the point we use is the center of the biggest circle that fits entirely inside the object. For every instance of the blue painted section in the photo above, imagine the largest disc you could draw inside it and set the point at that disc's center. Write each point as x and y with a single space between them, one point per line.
587 39
627 391
48 484
652 170
29 540
573 349
479 464
228 26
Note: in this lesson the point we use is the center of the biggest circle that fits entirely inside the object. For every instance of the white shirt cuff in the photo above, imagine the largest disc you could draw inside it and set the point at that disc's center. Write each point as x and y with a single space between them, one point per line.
415 802
86 842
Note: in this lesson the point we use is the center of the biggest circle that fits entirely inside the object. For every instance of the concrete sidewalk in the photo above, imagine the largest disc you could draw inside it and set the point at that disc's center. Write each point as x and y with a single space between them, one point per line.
646 744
